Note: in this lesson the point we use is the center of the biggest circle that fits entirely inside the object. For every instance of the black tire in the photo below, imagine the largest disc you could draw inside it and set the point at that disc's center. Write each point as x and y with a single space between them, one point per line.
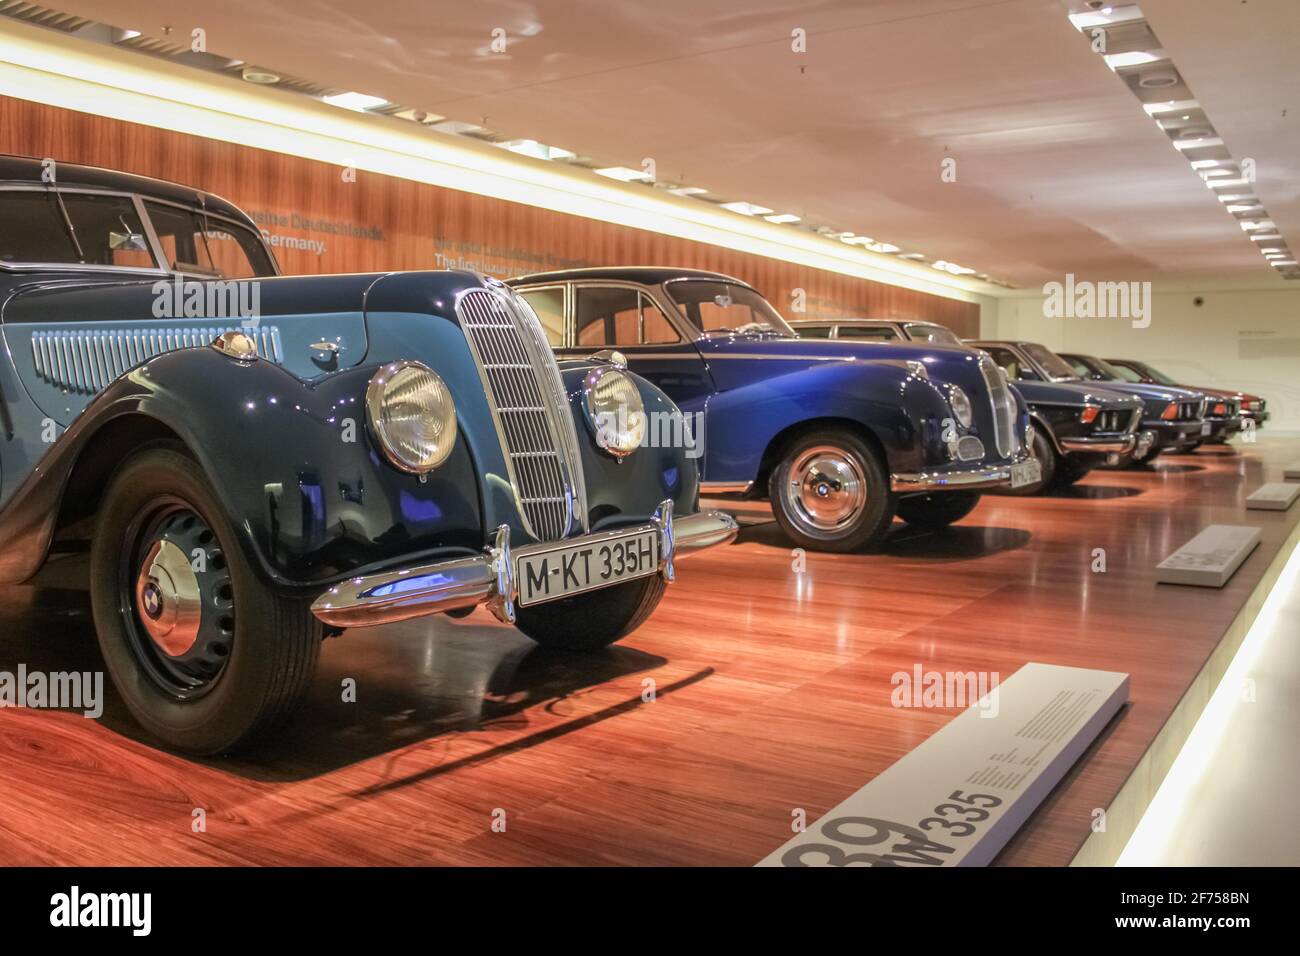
271 642
588 622
1045 451
935 511
863 523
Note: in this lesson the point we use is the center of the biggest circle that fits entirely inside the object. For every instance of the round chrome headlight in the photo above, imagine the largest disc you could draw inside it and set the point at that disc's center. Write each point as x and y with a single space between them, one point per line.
412 416
615 411
960 405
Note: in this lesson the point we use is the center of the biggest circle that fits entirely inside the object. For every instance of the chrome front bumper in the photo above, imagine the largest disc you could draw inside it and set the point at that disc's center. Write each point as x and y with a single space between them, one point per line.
488 578
1118 446
954 479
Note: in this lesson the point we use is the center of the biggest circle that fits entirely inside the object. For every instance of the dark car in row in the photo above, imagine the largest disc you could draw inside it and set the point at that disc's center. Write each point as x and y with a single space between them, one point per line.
1252 409
1219 419
1075 428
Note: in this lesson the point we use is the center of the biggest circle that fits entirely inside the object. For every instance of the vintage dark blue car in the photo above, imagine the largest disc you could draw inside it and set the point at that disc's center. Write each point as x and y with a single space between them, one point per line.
1167 416
1075 429
1079 425
839 436
258 461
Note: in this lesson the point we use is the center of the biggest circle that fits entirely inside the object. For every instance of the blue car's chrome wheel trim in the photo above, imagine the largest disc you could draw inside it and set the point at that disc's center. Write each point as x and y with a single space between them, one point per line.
177 598
825 491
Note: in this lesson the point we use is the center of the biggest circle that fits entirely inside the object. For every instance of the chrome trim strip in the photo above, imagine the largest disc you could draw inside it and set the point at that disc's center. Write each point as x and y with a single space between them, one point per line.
1120 446
391 596
963 479
88 360
725 487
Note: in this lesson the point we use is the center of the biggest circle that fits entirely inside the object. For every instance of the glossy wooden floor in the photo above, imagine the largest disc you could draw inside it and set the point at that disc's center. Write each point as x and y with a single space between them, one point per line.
771 693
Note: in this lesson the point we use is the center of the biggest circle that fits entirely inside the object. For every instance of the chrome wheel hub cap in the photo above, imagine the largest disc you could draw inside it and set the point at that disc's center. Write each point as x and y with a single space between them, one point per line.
167 598
826 491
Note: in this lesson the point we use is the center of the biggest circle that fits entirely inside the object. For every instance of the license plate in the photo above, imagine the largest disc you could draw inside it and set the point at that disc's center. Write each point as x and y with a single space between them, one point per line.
564 571
1026 473
1205 428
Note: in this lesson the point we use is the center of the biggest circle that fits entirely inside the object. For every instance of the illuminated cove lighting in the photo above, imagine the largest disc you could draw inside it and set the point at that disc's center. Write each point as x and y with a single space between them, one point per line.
45 67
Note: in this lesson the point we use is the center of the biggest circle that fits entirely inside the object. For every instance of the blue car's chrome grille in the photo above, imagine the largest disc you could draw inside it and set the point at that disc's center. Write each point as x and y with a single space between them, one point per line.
89 360
532 413
1004 408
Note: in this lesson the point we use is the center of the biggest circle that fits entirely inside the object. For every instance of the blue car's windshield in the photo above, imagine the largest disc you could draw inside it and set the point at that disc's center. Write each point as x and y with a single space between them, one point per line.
724 308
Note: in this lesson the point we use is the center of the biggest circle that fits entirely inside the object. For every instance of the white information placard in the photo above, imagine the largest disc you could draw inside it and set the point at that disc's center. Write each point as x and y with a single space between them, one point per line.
960 796
1274 496
1210 558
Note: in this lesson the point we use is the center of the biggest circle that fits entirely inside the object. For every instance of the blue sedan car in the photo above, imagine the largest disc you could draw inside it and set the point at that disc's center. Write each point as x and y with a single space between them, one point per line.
839 436
255 462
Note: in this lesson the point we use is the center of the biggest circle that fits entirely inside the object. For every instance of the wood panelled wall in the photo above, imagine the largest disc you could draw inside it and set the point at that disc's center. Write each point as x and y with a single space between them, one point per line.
320 222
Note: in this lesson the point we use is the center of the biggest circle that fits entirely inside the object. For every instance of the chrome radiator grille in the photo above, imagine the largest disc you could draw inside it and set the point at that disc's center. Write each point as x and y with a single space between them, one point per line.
527 397
1004 408
87 361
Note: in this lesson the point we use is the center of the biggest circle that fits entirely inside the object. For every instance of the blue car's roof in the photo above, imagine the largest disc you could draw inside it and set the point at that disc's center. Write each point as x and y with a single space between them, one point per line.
645 275
28 170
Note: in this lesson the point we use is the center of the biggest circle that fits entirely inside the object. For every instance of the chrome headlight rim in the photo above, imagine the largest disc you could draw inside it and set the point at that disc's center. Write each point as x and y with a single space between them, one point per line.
376 394
618 449
961 406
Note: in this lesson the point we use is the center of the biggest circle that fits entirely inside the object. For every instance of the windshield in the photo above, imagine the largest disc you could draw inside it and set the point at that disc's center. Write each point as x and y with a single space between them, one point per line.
1159 376
1105 368
720 308
1057 368
936 334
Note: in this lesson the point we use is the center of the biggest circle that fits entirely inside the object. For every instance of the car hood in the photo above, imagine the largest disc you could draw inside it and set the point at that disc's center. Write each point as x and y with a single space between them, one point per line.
741 359
1075 394
1160 393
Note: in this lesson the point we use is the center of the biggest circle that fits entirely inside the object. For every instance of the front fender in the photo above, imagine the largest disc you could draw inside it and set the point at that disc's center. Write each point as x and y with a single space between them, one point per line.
902 411
290 461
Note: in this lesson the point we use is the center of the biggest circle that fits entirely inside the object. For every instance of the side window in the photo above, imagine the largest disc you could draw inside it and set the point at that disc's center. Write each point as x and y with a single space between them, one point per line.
813 331
549 306
207 245
655 327
1007 360
872 333
1127 373
619 316
1080 369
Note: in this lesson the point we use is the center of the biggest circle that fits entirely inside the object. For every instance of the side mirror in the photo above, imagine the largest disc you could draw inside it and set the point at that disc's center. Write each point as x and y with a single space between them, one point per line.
127 242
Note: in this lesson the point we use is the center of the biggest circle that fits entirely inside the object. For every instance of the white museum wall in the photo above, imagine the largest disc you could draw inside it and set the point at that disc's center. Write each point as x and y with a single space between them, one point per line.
1246 339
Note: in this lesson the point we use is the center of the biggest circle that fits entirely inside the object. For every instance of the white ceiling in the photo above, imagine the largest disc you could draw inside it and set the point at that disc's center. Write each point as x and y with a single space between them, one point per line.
1058 168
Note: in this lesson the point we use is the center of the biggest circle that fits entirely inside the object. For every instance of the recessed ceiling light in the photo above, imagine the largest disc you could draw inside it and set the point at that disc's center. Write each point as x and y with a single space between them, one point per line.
259 76
1119 61
1171 106
1266 237
885 247
1158 79
624 174
1198 143
688 191
746 208
1224 183
782 218
1283 262
359 102
530 147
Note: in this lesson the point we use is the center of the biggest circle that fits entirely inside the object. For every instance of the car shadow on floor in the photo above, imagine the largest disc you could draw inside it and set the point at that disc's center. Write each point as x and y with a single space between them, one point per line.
956 543
406 684
1082 492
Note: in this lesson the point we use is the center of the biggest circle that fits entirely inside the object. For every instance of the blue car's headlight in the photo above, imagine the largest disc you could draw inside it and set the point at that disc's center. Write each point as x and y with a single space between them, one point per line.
615 411
961 406
412 416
